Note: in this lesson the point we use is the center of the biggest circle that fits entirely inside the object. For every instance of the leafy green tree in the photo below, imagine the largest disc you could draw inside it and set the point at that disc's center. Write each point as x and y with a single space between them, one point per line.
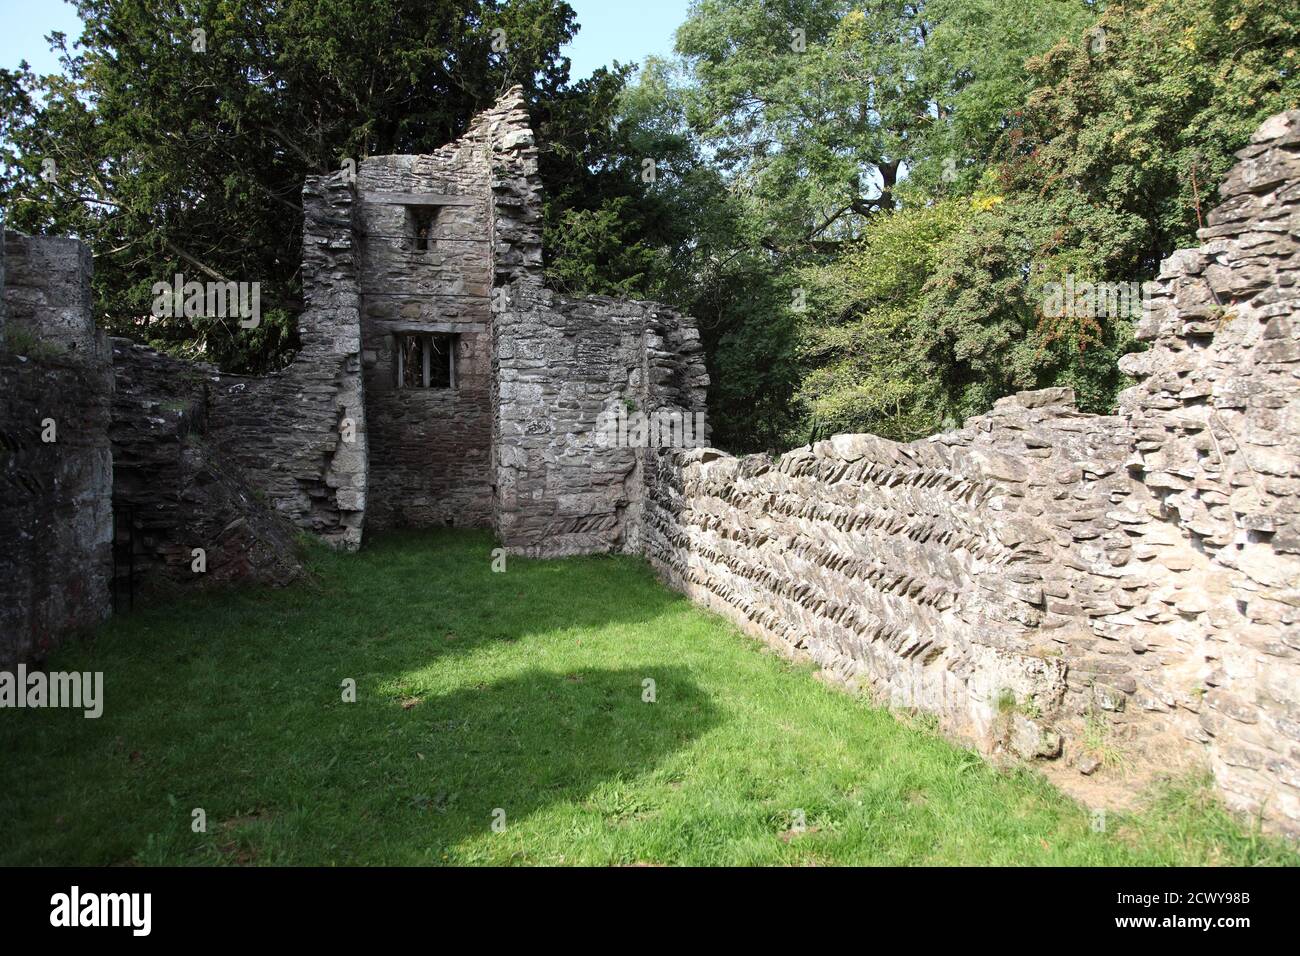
1110 166
681 235
864 332
987 334
1142 113
613 224
825 116
809 105
974 64
1103 167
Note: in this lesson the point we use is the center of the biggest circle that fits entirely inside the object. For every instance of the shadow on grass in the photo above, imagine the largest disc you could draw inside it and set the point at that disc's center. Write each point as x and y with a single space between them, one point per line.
232 703
409 782
507 749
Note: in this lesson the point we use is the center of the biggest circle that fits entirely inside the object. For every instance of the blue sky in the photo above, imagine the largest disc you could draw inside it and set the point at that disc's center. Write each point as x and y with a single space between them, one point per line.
23 26
623 30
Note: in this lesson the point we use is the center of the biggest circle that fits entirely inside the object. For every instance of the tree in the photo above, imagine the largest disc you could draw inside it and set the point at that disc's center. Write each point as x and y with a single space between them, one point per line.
613 224
974 63
1141 114
1109 167
810 105
864 332
1093 159
634 208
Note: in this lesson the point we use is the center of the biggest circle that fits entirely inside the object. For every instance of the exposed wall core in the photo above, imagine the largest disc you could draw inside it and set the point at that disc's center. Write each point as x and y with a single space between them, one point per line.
300 435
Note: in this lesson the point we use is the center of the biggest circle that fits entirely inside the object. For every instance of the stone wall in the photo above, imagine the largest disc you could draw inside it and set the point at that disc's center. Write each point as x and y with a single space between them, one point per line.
174 490
1216 424
1050 582
449 244
430 447
224 463
300 435
561 487
445 245
56 524
881 561
47 296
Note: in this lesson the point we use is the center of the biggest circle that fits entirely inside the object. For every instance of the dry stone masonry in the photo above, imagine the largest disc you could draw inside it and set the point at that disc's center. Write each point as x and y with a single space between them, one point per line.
426 285
176 490
560 365
299 435
1050 582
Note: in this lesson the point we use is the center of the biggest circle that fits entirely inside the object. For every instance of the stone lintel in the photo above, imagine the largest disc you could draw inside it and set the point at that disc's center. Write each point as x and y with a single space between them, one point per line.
419 199
407 326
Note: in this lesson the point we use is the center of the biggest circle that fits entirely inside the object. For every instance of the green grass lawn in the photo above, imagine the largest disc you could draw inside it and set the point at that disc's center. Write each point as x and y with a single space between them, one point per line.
520 692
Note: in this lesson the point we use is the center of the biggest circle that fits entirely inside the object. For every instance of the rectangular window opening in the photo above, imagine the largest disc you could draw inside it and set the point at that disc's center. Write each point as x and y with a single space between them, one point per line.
425 360
421 221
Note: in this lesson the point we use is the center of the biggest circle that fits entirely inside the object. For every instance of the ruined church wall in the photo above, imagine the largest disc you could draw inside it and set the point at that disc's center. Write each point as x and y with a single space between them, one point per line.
299 436
1216 422
1043 577
175 490
561 363
878 560
430 447
565 485
56 524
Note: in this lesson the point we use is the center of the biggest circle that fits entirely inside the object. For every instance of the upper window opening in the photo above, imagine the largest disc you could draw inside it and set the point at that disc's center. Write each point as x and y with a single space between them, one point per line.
422 220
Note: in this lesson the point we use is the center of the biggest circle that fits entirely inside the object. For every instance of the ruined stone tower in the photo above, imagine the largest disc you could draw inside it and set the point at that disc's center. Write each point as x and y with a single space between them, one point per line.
481 388
439 382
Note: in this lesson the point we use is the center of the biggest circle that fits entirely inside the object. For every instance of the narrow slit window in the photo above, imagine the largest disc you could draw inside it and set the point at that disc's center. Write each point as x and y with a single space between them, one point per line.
425 361
422 220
